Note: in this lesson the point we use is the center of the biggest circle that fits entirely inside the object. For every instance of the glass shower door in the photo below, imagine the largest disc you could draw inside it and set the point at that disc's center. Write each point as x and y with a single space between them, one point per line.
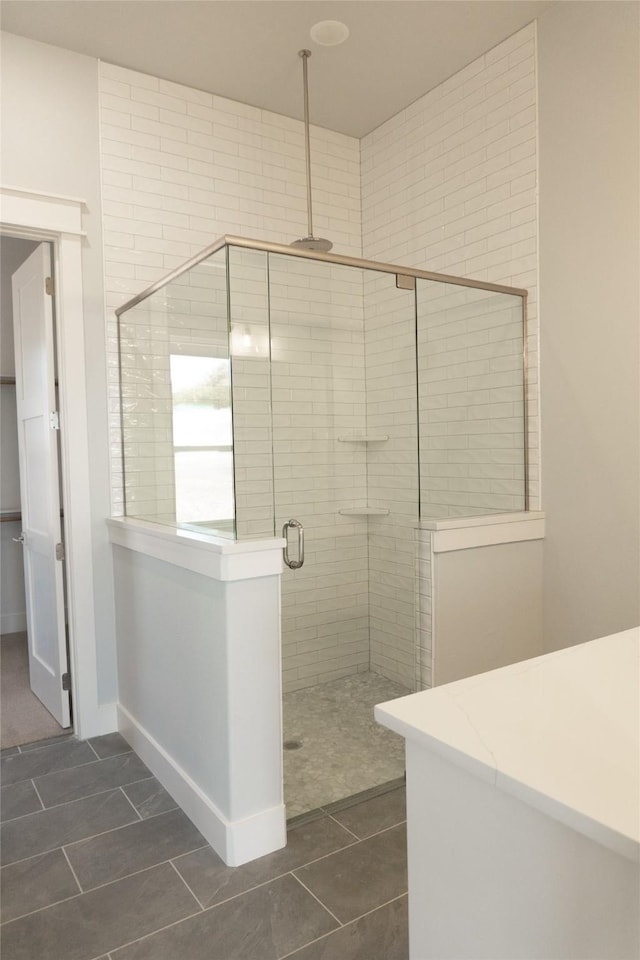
343 398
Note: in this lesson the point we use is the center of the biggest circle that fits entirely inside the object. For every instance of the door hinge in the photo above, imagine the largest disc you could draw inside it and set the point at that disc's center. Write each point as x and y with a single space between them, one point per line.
59 551
405 282
66 681
48 286
54 420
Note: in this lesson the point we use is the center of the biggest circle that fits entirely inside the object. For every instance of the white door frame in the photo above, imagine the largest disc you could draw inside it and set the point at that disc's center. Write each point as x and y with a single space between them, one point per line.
39 216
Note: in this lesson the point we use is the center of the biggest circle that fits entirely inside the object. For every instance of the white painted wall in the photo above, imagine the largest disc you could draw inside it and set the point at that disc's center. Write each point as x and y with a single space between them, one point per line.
50 145
590 307
487 608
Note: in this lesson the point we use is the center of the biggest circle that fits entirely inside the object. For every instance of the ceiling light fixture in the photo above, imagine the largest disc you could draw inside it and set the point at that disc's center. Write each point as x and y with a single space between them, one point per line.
329 33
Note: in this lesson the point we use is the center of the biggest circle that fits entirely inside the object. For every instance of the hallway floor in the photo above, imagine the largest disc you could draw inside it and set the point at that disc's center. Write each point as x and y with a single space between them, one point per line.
23 718
98 863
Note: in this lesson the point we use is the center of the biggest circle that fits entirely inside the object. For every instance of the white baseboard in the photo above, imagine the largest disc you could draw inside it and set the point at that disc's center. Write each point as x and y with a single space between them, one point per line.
236 842
13 623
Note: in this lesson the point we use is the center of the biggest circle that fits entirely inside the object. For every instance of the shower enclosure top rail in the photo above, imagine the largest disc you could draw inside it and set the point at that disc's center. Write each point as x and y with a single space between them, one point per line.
288 251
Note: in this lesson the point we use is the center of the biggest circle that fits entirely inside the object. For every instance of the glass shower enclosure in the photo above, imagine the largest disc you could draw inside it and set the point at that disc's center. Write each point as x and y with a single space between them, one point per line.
273 391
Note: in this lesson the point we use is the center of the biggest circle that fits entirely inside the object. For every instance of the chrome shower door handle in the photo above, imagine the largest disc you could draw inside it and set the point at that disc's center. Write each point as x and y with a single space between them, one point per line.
295 525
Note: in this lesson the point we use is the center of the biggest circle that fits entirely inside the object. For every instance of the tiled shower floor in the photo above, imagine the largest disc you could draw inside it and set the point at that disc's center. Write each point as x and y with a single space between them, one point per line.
344 751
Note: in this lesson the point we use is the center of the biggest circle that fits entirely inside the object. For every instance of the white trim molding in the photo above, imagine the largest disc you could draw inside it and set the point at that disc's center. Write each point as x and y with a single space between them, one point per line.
27 209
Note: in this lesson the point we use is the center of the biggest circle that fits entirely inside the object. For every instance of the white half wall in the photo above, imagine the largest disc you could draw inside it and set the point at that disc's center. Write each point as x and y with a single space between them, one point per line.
589 115
199 679
486 608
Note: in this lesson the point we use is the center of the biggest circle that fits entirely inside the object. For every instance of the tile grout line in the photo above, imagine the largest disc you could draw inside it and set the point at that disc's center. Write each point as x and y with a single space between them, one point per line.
57 806
84 893
123 826
43 744
132 805
343 827
93 749
102 833
75 766
75 876
88 796
263 883
31 913
197 899
241 893
370 835
323 905
33 784
221 902
70 843
343 926
152 933
134 873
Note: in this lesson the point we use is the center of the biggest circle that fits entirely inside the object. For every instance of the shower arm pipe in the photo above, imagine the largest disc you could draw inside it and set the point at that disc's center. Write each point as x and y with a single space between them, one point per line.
229 240
305 54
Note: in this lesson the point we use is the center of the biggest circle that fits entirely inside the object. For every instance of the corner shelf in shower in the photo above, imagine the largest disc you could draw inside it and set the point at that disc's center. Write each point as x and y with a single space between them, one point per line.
364 512
362 437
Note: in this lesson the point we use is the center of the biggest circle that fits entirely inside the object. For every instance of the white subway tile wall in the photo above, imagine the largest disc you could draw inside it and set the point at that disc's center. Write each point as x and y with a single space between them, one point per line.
424 648
471 400
392 412
450 185
318 397
181 167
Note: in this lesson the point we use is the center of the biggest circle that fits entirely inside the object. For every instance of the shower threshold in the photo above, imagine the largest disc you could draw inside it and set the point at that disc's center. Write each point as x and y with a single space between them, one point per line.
338 805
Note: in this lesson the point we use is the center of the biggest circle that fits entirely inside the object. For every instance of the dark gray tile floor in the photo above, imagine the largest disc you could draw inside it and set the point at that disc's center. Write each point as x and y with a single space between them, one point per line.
99 863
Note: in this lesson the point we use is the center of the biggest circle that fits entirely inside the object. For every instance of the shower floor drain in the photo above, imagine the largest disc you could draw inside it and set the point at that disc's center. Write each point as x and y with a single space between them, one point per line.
292 744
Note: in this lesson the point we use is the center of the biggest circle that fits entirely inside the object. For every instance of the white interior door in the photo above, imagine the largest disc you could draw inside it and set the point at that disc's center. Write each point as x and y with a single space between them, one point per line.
39 481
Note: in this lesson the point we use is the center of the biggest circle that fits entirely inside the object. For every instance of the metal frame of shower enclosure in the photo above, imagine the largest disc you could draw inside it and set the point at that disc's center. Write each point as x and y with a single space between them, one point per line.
228 240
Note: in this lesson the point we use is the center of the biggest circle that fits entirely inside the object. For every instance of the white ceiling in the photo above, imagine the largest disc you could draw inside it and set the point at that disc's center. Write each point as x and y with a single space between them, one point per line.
247 49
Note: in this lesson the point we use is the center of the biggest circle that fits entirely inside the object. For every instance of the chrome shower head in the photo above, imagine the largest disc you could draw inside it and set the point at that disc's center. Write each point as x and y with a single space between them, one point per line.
312 243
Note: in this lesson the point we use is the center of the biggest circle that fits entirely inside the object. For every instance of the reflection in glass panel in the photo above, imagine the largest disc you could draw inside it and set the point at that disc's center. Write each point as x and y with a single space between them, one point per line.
175 402
202 440
251 379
